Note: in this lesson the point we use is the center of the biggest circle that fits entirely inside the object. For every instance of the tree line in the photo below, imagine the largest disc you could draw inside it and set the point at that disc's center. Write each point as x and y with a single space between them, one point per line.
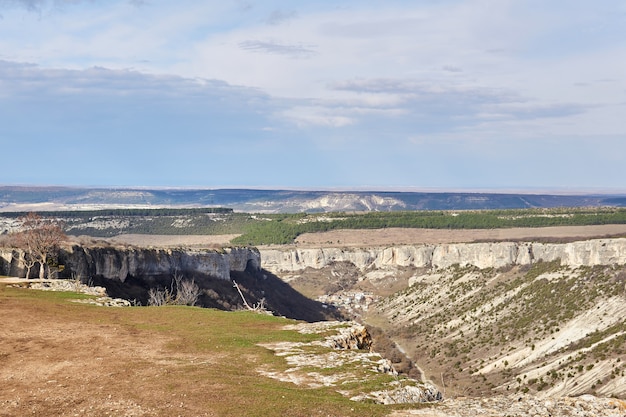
126 212
285 229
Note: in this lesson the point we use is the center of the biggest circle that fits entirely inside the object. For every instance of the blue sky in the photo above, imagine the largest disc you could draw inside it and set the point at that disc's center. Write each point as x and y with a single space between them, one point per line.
448 94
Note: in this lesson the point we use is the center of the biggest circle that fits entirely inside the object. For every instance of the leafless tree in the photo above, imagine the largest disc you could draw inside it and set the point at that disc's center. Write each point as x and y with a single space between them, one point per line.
39 240
258 307
28 260
187 293
158 297
182 292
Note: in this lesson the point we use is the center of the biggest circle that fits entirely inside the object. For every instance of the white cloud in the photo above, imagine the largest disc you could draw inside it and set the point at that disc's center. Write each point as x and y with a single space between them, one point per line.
278 17
273 47
387 71
315 116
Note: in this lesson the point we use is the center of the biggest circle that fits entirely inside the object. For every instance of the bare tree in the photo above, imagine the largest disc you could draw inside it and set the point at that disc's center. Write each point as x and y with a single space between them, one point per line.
158 297
182 292
241 294
258 307
28 260
187 293
39 240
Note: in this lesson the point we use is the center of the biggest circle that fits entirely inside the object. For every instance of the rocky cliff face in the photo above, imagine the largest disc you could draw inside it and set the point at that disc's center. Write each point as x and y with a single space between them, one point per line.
10 264
130 273
481 255
119 264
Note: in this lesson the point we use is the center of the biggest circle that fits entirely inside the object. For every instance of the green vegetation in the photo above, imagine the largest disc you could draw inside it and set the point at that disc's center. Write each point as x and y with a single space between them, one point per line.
261 229
283 229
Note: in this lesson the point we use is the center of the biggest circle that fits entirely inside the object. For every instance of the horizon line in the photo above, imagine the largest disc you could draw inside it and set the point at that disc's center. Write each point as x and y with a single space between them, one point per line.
555 190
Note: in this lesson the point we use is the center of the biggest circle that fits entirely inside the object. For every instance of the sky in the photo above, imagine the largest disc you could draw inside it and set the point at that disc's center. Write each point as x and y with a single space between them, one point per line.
368 94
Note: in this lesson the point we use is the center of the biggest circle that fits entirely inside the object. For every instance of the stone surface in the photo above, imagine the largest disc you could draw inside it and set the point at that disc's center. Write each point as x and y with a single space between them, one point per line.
426 393
356 337
76 286
351 363
120 263
481 255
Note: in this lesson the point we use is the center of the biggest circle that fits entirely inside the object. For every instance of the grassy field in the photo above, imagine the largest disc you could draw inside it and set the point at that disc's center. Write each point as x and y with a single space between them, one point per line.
63 358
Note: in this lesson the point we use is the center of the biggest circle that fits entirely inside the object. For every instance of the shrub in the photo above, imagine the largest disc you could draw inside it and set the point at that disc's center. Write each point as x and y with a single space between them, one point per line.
186 293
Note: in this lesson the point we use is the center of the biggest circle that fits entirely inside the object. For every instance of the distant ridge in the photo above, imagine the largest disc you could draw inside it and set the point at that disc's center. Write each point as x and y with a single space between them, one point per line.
24 198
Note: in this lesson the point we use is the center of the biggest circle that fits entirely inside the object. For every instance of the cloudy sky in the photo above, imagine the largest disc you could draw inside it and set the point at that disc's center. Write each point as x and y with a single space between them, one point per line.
421 94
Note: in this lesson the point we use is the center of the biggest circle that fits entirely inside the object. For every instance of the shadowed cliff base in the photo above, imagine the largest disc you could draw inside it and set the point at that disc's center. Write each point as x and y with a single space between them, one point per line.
259 287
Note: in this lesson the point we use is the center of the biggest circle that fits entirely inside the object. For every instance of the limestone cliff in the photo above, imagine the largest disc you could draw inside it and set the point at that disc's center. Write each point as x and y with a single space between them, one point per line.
481 255
115 264
10 264
130 273
119 264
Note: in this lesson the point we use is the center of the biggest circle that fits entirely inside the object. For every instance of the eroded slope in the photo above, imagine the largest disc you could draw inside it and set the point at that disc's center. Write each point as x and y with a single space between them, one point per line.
549 329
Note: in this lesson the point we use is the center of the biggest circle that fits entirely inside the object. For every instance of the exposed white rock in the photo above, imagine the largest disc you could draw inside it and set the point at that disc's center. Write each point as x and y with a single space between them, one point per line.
76 286
349 350
425 393
481 255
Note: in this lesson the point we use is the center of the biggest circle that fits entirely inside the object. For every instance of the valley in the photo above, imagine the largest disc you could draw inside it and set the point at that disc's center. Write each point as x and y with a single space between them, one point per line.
534 311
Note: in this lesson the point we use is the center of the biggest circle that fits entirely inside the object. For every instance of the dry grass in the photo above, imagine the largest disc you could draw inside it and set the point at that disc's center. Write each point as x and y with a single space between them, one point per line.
400 236
59 358
204 241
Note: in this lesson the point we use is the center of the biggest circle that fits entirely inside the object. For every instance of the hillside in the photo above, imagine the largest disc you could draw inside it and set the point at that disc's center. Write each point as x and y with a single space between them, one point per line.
549 330
484 319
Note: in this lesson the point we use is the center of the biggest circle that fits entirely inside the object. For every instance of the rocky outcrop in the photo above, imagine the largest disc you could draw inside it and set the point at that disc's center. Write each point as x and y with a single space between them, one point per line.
356 337
481 255
348 352
425 393
102 299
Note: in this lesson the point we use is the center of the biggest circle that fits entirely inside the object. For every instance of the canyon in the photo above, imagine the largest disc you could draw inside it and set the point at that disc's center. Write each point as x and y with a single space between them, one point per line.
487 318
477 319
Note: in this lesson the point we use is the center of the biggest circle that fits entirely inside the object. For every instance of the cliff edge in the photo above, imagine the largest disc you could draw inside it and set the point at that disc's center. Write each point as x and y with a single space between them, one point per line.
480 255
